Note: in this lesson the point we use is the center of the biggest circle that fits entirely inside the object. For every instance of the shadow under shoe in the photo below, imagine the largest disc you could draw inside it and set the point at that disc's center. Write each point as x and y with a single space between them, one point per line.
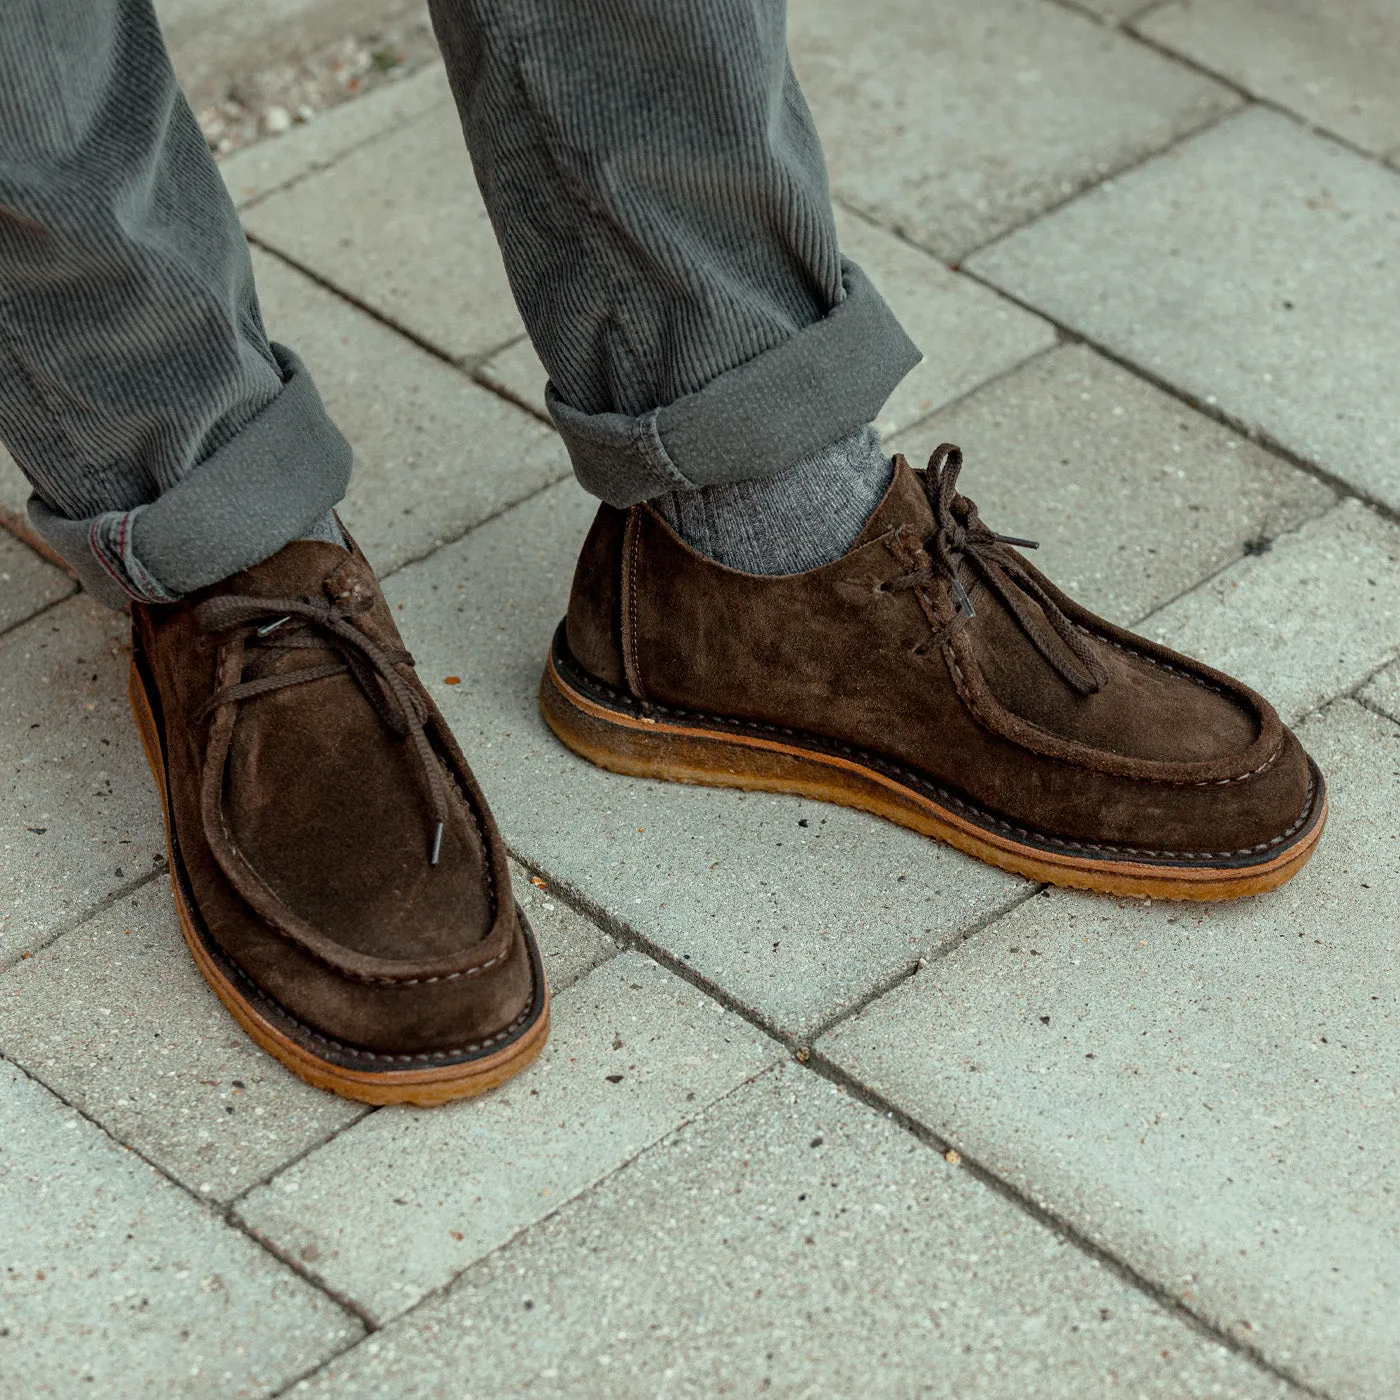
339 877
935 677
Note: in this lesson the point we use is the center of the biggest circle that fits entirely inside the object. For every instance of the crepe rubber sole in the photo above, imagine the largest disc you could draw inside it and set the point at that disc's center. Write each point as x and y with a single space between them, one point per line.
616 732
287 1041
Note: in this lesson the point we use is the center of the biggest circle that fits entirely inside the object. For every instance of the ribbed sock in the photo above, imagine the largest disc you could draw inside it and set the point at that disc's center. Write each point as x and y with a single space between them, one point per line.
800 519
326 529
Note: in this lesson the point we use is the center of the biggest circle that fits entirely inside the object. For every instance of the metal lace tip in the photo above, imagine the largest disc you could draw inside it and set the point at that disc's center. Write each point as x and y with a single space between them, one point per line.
1022 544
437 845
273 626
961 599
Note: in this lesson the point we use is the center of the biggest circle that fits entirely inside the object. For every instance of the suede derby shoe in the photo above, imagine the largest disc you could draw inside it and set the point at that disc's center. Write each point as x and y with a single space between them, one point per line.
338 876
935 677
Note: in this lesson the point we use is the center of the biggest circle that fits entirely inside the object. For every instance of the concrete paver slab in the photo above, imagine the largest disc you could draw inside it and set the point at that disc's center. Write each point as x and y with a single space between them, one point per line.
1134 497
406 1199
1333 64
1305 622
259 169
795 908
118 1284
115 1017
1287 317
1208 1091
79 816
968 334
790 1242
572 945
14 489
434 453
28 583
409 236
517 373
953 123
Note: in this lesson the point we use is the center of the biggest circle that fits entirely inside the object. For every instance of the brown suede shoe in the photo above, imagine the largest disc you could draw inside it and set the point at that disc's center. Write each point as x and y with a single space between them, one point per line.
934 677
339 878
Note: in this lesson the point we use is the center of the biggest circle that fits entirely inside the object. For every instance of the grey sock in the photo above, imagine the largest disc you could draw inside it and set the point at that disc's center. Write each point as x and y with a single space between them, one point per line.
800 519
325 529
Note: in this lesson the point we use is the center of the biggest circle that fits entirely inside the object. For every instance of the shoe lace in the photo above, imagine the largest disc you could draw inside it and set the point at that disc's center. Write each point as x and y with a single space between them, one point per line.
309 623
961 537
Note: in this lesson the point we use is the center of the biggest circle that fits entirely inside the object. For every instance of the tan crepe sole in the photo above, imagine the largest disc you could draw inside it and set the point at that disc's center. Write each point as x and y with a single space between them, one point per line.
653 748
423 1087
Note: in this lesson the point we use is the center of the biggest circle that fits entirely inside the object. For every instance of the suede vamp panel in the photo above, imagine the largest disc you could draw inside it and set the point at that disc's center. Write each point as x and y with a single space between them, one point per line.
306 849
1166 757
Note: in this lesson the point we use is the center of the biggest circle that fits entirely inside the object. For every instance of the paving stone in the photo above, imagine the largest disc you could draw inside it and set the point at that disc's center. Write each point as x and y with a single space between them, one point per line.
14 489
1116 10
259 169
953 123
1286 318
409 237
79 816
1134 497
434 453
115 1017
1208 1091
405 1200
1309 620
968 334
1382 692
797 922
28 583
1334 64
790 1242
517 373
118 1284
572 945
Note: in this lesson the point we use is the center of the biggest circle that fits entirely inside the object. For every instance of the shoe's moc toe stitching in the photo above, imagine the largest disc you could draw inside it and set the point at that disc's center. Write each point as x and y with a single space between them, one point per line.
935 676
338 874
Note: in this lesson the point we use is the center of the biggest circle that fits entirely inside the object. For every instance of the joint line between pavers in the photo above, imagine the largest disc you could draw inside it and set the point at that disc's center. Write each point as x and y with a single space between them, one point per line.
210 1207
38 612
429 347
51 936
485 520
441 1290
1043 1215
320 166
1253 432
1129 27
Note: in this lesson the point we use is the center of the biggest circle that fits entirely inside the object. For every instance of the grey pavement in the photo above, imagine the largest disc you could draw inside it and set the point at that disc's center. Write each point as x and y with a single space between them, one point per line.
827 1109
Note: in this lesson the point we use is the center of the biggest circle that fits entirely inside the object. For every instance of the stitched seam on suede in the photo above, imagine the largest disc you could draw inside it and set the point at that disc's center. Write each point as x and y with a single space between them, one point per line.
966 696
920 780
631 551
363 977
356 1053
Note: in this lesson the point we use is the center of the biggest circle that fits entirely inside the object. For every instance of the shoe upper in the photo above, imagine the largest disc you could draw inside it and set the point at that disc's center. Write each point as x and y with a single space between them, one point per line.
935 646
329 831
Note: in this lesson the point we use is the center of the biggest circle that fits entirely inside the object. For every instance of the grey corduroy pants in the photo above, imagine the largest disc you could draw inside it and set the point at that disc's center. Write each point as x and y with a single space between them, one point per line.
660 195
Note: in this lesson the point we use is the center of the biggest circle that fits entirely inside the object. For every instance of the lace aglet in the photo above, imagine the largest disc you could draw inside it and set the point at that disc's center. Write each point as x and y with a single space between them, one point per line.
437 845
1021 544
272 626
961 599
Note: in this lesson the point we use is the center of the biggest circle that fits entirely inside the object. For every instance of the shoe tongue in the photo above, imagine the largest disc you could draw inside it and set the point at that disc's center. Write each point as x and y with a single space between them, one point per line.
904 504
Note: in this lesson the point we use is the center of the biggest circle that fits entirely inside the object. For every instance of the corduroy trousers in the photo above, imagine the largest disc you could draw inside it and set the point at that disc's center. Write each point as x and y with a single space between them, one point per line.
660 196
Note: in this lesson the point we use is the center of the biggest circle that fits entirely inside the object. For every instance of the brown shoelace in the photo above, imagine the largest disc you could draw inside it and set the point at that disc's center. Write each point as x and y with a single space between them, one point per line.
961 536
310 624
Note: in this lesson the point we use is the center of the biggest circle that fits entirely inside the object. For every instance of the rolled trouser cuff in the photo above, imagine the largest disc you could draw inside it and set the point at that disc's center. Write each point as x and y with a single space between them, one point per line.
275 479
755 420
